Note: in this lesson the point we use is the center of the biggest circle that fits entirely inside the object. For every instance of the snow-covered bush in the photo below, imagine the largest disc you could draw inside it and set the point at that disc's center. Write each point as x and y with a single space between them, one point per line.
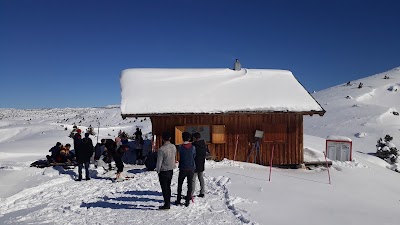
393 88
386 150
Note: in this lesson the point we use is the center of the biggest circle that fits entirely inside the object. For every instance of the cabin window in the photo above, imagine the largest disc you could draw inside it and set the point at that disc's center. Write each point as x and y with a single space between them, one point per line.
275 132
204 131
218 134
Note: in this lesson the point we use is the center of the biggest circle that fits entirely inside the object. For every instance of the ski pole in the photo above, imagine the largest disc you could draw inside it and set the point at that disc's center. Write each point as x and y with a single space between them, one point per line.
98 132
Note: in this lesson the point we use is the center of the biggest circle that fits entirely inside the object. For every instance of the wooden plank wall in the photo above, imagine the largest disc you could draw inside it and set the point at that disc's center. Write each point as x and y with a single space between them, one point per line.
289 152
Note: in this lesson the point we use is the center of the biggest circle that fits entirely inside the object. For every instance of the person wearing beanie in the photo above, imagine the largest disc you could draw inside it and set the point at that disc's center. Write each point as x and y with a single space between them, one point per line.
187 153
165 167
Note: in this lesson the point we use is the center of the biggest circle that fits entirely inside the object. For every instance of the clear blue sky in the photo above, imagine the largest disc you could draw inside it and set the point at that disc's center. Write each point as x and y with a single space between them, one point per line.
70 53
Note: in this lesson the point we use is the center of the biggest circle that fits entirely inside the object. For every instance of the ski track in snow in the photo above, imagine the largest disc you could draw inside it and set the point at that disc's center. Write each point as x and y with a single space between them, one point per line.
135 201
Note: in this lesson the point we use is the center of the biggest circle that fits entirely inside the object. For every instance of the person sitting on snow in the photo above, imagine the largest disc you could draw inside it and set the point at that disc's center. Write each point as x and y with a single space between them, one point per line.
55 150
65 155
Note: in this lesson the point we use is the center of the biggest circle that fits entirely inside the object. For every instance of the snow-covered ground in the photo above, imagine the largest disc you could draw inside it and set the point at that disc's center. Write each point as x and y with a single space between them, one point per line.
363 191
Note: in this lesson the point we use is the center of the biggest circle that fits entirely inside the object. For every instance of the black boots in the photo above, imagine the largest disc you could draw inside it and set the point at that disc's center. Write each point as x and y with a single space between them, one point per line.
163 207
80 178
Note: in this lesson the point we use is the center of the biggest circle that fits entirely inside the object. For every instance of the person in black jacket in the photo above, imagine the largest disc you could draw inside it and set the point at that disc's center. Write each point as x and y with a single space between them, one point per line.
117 156
200 158
55 150
77 139
83 154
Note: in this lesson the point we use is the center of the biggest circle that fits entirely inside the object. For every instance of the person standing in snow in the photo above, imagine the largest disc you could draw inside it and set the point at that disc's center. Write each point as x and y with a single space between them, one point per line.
98 151
118 142
83 155
165 167
138 133
117 156
116 153
139 146
109 148
77 139
200 159
187 153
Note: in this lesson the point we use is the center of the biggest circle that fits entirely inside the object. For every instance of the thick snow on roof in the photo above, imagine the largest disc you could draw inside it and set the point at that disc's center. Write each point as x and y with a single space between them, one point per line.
164 91
338 138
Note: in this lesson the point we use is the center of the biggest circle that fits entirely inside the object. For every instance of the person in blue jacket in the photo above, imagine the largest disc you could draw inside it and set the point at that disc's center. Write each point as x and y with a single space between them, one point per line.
187 153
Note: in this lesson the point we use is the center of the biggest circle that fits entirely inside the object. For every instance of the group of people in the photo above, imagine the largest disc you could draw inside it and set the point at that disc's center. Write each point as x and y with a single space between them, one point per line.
109 150
192 157
83 151
61 154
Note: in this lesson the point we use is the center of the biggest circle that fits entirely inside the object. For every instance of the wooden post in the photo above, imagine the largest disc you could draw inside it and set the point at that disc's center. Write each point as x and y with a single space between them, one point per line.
329 174
270 163
237 141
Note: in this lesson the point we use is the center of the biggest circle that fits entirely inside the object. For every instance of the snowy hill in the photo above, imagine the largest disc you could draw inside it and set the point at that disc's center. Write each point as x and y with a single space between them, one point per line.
363 191
363 114
19 128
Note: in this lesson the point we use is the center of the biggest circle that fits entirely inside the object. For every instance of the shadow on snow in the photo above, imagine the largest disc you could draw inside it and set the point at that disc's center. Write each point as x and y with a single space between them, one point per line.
138 200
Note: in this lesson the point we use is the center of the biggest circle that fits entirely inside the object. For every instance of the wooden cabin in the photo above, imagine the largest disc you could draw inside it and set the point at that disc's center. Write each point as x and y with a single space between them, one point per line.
242 114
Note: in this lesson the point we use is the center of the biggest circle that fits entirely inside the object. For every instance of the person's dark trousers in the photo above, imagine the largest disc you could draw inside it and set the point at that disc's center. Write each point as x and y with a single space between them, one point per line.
165 178
182 175
80 166
139 156
119 164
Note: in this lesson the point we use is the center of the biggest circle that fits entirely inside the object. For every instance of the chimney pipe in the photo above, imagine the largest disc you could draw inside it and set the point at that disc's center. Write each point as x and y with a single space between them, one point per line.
237 65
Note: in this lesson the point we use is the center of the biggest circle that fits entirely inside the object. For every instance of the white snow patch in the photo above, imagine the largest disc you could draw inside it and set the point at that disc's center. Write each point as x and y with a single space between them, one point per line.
366 96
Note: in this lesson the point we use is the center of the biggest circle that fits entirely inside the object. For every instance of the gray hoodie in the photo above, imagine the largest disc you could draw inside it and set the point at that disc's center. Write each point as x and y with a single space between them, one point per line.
166 157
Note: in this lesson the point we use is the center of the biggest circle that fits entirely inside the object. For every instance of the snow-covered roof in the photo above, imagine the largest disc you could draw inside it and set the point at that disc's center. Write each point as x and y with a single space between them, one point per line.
150 91
338 138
